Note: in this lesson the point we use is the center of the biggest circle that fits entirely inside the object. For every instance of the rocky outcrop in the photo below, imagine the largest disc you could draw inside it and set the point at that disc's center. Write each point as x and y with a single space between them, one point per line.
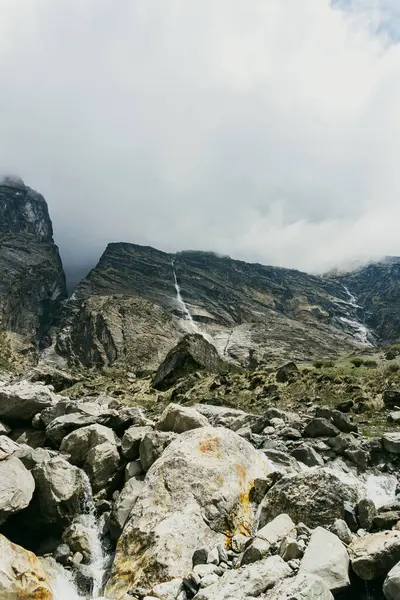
21 574
32 280
191 354
196 494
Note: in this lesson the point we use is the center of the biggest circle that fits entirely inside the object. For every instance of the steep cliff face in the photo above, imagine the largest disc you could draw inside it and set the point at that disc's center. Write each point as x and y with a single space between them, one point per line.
32 281
377 290
251 313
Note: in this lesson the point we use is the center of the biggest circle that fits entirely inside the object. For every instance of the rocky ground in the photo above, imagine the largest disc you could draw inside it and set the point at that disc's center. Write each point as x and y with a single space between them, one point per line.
191 498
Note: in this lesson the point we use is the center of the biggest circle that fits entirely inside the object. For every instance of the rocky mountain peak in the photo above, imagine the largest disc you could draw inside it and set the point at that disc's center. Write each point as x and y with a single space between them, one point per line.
23 210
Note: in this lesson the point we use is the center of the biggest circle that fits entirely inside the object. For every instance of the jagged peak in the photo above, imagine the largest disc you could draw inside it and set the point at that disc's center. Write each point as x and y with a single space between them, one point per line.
13 181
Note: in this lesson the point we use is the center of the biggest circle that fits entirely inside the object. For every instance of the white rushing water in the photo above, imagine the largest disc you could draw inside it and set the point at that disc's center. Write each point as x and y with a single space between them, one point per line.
62 581
361 331
182 305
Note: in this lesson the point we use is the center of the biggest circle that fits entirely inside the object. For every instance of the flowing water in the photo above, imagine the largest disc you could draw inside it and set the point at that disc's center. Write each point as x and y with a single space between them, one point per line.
62 580
184 309
361 332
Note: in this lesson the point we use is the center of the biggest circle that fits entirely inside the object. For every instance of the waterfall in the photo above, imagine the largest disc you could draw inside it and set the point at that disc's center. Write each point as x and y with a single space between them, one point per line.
62 581
184 309
361 331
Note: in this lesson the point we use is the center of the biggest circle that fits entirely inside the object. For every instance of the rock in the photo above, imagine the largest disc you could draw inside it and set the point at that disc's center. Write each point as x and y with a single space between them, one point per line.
31 437
250 580
133 469
61 491
123 506
61 554
341 529
256 550
101 464
394 417
21 401
16 487
61 426
391 398
200 557
31 457
327 558
196 494
286 372
375 554
178 419
152 446
169 590
78 538
238 542
131 441
308 456
78 443
315 497
290 549
4 429
8 448
366 512
192 353
83 575
337 418
21 574
302 587
283 463
320 427
129 416
391 586
391 442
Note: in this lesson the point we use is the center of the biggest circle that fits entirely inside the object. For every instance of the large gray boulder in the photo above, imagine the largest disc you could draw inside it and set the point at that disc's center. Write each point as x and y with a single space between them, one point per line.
197 494
326 557
95 449
16 487
21 401
178 419
302 587
78 443
123 506
391 587
391 442
250 580
62 490
267 537
192 353
78 538
131 441
21 574
314 497
374 555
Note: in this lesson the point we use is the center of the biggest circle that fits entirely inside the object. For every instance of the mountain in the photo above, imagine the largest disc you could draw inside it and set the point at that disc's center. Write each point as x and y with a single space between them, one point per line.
32 281
127 310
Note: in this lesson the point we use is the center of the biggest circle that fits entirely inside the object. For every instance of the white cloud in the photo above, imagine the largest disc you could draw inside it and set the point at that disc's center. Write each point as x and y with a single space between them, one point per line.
264 130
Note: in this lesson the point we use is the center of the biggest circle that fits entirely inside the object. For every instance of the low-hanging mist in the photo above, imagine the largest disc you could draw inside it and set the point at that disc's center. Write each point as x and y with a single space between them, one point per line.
268 131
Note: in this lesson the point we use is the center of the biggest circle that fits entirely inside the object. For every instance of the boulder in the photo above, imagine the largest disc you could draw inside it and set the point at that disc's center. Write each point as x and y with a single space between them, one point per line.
78 538
4 428
327 558
61 491
196 494
315 497
320 427
16 487
153 445
178 419
308 456
128 416
31 437
131 441
101 464
374 555
391 586
391 398
61 426
192 353
341 529
302 587
78 443
391 442
21 574
123 506
250 580
287 372
21 401
267 537
283 463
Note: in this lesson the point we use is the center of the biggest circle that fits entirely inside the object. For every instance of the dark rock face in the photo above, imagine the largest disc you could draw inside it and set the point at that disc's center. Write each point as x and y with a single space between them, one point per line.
192 353
32 281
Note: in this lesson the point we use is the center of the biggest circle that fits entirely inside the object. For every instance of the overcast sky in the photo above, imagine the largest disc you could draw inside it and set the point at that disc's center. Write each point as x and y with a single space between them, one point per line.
267 130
